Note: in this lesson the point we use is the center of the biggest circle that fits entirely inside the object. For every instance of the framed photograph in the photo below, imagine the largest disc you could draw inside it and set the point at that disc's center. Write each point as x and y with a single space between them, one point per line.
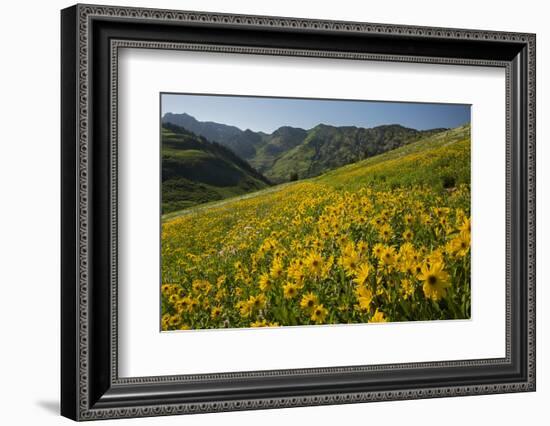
263 212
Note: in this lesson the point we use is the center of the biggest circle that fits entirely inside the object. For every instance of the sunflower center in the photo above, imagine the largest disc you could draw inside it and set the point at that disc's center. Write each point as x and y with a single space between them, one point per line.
432 279
310 303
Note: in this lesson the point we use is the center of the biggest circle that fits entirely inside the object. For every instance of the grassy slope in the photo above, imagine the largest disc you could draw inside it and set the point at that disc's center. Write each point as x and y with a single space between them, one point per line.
278 143
326 148
196 172
441 160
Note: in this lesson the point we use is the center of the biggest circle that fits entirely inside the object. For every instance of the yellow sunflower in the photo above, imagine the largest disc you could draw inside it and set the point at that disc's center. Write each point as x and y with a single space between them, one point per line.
385 232
290 290
350 261
461 244
318 314
265 282
388 256
362 274
408 235
377 250
314 261
378 317
309 301
364 297
408 219
466 225
435 280
259 323
216 312
276 270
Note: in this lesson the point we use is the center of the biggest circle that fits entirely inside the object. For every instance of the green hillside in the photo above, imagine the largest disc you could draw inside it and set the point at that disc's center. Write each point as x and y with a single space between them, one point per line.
275 145
195 171
441 161
327 147
240 142
291 153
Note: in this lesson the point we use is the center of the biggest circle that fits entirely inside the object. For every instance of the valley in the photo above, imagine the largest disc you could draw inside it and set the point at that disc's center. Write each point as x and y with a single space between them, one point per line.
204 162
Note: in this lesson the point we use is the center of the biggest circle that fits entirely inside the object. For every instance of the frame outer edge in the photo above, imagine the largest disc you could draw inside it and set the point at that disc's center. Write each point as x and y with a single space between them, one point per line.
531 200
82 140
69 221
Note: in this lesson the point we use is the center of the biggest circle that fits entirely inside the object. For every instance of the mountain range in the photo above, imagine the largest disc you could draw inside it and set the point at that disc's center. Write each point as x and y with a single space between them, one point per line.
290 153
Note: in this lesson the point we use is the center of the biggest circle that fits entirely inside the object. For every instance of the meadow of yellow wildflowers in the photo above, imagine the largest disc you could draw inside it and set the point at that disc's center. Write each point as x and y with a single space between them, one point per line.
377 241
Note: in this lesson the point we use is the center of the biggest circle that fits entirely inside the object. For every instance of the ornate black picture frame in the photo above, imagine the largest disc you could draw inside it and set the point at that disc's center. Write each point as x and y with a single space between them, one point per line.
91 36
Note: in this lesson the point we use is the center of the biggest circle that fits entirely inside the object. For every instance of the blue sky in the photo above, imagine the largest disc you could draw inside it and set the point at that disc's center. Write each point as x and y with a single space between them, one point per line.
268 114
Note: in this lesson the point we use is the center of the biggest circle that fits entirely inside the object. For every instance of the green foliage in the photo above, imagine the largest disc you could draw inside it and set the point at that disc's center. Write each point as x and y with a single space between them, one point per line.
275 145
448 181
196 171
241 143
437 160
308 152
327 147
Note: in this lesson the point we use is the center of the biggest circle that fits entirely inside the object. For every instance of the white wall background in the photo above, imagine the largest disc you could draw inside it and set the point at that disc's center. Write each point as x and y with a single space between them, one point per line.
29 212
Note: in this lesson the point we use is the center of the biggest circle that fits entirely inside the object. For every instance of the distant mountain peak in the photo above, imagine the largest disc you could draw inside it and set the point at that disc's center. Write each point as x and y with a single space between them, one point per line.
173 114
229 136
288 129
